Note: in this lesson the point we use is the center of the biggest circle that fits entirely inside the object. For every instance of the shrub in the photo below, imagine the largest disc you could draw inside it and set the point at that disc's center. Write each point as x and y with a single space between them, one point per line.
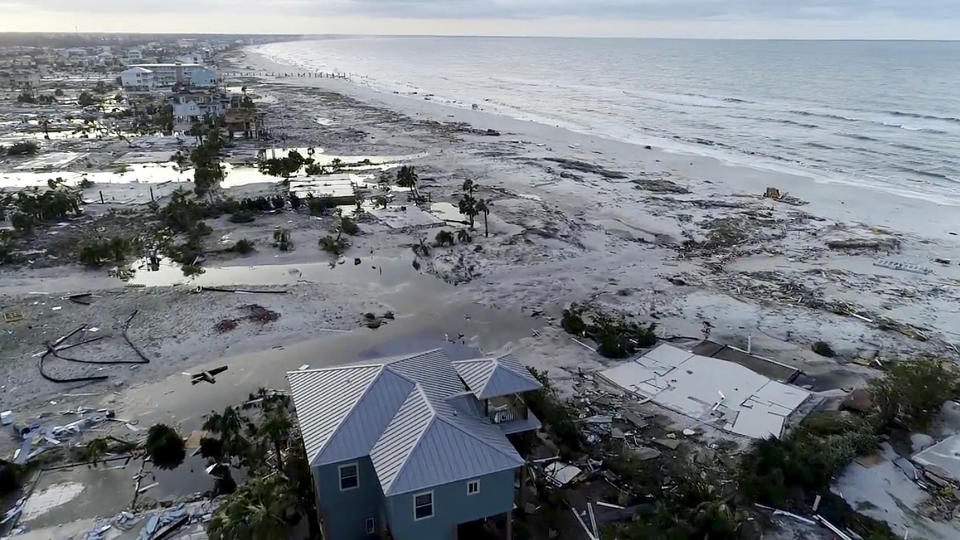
335 245
616 337
23 148
912 391
85 99
282 239
26 97
243 247
823 349
165 447
444 238
349 226
318 206
776 470
295 202
559 417
115 250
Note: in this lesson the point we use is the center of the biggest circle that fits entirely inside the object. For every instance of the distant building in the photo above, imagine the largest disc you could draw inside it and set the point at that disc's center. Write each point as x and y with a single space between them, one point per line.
191 58
19 78
137 79
165 76
195 106
246 121
415 447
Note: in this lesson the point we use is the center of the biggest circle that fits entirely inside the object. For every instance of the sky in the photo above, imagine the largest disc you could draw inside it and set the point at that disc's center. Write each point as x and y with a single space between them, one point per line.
754 19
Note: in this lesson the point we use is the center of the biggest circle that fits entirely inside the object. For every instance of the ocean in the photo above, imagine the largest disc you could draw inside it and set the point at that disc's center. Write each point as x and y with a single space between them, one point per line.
884 114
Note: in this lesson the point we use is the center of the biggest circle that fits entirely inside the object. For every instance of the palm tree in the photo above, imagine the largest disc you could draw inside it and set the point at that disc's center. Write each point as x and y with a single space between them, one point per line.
407 178
468 203
276 425
255 511
230 427
483 206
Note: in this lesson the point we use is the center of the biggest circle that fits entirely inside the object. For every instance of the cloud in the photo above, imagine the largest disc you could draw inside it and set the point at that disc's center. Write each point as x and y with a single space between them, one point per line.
531 9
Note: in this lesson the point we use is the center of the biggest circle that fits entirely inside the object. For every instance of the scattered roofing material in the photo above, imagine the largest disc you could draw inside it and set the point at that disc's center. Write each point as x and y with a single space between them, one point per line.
942 459
560 474
749 404
412 415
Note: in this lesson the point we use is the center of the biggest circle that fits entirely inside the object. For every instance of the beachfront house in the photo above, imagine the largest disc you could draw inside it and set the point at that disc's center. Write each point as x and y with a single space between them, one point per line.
414 447
165 76
191 106
137 79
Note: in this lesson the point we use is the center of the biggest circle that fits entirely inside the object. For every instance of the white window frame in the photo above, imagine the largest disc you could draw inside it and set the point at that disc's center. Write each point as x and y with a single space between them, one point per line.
370 525
356 467
473 483
432 509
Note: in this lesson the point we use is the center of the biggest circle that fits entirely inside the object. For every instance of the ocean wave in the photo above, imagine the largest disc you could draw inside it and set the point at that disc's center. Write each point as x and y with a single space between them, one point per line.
831 116
917 129
859 137
923 116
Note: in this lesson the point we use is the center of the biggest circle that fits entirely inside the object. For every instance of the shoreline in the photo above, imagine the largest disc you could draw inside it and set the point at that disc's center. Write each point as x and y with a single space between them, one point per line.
870 205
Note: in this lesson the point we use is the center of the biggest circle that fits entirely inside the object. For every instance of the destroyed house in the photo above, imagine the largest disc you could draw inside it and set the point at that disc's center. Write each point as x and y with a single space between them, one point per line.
717 392
414 447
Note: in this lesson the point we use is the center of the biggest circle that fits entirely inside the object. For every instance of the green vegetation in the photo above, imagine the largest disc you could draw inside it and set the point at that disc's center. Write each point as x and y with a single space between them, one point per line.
23 148
101 251
207 170
349 226
444 238
777 470
86 99
255 511
165 447
616 337
27 97
7 245
31 207
282 239
559 417
243 247
285 166
335 245
407 177
914 390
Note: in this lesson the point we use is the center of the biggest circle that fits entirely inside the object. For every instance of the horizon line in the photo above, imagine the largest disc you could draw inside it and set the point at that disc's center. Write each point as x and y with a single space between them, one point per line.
516 36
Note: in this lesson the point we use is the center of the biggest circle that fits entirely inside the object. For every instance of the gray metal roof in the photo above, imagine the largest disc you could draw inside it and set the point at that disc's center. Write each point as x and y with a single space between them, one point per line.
324 397
492 377
412 415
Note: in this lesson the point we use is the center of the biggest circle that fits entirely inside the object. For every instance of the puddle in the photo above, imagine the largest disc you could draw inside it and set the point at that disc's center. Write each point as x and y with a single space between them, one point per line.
325 121
382 270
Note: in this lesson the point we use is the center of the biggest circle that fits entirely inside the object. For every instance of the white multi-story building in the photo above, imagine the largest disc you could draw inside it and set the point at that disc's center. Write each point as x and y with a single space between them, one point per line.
137 79
190 107
165 76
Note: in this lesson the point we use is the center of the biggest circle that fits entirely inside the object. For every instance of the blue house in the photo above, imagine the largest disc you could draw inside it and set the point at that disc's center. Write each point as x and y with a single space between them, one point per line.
414 447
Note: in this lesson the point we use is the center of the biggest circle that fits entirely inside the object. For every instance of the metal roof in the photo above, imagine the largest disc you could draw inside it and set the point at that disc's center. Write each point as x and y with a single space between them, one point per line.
324 397
492 377
412 415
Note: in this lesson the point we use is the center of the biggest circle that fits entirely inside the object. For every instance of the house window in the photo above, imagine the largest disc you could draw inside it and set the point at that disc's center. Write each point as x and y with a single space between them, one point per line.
369 525
349 477
423 506
473 487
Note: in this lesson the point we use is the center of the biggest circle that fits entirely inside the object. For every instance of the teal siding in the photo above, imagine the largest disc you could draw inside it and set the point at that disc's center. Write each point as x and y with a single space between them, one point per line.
343 512
451 507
